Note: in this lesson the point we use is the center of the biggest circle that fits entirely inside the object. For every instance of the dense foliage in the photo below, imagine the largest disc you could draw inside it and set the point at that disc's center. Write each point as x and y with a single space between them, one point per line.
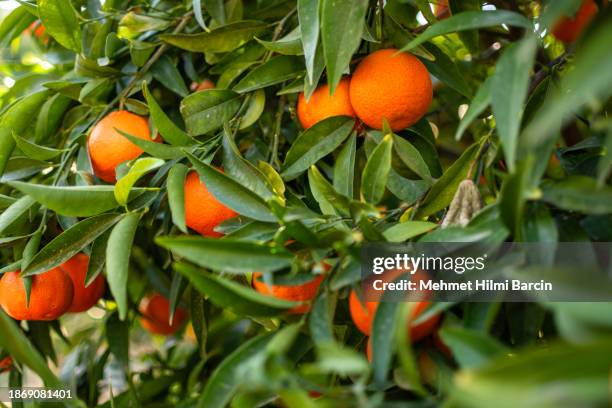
516 111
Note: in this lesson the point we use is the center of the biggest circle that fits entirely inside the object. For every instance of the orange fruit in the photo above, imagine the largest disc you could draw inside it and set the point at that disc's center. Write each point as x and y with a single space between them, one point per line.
363 315
441 10
568 29
390 85
203 212
322 105
50 296
303 293
155 310
84 297
108 148
6 364
205 84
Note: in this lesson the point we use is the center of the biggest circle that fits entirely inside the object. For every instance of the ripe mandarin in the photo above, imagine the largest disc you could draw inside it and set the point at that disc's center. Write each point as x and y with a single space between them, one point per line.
390 85
568 29
50 296
322 105
6 364
203 212
296 293
155 318
205 84
108 148
84 297
363 315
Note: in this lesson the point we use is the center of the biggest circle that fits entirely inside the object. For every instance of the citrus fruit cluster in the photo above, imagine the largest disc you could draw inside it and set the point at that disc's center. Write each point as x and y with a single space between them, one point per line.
386 85
57 291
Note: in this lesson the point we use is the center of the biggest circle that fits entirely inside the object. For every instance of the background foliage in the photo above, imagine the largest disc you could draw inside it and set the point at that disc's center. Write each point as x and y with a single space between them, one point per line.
507 97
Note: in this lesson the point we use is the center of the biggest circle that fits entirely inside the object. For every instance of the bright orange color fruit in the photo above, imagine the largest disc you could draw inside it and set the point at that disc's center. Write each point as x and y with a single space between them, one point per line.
441 10
108 148
6 364
568 29
296 293
50 296
391 85
322 105
84 297
363 315
155 310
203 212
205 84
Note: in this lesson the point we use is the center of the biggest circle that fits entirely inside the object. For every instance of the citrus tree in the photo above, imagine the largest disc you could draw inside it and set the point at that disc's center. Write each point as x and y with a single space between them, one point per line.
186 187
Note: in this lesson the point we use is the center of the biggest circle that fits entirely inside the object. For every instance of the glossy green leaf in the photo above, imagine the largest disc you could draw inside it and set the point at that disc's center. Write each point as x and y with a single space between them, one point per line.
376 171
139 168
341 28
315 143
470 20
227 255
23 207
471 348
69 243
222 39
412 158
175 184
156 149
166 72
229 294
118 252
232 193
344 168
291 44
477 105
257 103
13 24
308 16
208 110
404 231
508 92
275 71
578 193
61 21
74 201
35 151
169 131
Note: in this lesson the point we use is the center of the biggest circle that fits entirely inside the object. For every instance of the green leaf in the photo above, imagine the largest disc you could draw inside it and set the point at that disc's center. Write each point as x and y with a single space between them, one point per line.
50 117
97 258
14 24
341 29
321 319
403 231
222 39
72 201
316 143
383 331
508 92
513 196
175 184
334 358
232 295
376 171
224 381
69 243
412 158
35 151
169 131
291 44
478 104
470 20
446 70
166 72
216 8
155 149
227 255
139 168
545 376
578 193
232 193
275 71
471 348
257 103
208 110
442 192
118 337
344 168
16 211
589 80
61 21
16 119
328 198
308 16
20 348
118 252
